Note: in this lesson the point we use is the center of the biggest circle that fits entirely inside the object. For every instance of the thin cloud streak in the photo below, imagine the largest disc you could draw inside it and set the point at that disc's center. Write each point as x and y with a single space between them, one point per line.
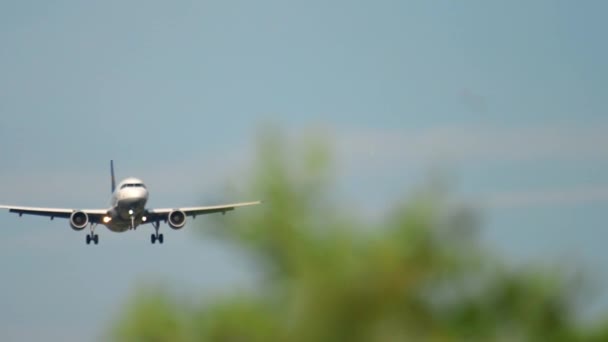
476 143
580 195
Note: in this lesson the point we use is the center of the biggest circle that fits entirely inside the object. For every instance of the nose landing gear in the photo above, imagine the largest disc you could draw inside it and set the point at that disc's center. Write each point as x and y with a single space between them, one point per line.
132 218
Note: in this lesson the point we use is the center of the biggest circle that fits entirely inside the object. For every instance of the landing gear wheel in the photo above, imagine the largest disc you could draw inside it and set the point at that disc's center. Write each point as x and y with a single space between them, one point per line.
156 237
92 236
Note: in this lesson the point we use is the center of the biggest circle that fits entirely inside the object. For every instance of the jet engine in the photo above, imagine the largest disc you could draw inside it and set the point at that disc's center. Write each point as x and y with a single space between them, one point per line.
79 220
176 219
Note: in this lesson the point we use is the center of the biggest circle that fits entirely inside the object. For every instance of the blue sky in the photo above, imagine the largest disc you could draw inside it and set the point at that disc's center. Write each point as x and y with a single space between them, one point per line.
508 97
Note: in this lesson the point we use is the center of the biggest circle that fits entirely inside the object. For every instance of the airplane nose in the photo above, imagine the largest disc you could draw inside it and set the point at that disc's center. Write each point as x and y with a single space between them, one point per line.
142 193
135 194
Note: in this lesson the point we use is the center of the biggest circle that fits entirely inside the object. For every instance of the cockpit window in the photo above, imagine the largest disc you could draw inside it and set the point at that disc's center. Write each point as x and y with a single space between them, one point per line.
133 185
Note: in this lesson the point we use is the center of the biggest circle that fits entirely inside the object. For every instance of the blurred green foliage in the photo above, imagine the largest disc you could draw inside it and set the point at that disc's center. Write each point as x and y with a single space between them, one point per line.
327 274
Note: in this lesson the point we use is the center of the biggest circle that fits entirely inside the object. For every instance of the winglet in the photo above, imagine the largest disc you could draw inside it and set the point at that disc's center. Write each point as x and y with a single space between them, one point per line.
112 173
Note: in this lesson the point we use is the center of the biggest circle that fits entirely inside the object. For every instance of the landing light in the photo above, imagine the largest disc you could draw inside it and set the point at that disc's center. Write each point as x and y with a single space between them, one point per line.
107 219
130 211
143 218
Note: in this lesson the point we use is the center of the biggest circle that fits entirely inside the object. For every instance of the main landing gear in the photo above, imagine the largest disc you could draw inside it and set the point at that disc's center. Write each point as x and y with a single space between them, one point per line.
156 237
92 236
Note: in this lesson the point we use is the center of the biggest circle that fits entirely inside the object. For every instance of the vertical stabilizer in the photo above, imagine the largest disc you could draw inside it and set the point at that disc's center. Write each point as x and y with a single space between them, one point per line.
112 173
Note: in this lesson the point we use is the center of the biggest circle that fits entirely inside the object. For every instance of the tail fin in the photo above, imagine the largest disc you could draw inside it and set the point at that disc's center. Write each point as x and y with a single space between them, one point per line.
112 172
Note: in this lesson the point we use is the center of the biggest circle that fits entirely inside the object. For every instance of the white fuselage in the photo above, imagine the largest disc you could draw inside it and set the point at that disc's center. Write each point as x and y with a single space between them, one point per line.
128 205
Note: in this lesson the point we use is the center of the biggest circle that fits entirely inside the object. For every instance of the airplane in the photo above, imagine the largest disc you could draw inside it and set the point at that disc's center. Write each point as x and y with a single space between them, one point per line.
127 211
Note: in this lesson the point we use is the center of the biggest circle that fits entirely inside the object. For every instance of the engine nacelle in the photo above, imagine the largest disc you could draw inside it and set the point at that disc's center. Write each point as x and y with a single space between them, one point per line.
79 220
176 219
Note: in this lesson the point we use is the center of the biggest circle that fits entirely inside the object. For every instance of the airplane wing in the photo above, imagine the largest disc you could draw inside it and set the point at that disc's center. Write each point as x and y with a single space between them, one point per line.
155 215
95 215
